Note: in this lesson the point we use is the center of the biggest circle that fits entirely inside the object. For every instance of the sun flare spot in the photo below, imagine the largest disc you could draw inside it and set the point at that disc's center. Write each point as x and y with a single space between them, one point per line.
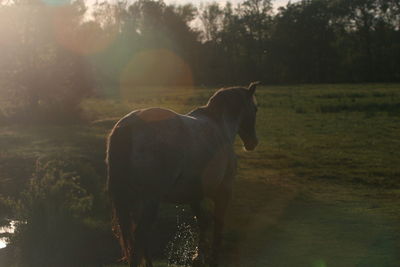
156 67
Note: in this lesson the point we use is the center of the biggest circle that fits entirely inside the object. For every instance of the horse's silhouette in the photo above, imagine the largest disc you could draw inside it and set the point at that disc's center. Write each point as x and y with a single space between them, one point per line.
158 155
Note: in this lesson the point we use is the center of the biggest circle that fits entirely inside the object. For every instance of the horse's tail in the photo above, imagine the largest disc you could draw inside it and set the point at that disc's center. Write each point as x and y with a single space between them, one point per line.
118 155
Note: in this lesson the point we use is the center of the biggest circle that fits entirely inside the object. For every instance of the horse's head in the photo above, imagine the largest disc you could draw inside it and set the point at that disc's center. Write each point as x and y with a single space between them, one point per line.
237 107
247 124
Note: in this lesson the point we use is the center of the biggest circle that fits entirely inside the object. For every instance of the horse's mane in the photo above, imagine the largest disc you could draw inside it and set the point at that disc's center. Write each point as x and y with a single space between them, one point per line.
228 99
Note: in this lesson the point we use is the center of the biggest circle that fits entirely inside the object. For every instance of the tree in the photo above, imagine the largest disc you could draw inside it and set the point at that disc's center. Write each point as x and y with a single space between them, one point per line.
367 34
302 43
211 19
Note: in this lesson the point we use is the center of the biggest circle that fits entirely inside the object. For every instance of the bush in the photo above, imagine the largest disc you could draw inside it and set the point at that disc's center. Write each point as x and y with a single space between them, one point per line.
55 222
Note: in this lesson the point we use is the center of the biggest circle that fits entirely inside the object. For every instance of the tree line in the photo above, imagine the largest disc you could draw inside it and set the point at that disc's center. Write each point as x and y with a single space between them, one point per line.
56 52
310 41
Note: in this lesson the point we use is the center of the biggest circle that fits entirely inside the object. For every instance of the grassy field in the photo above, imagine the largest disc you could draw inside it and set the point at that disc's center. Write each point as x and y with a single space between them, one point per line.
322 189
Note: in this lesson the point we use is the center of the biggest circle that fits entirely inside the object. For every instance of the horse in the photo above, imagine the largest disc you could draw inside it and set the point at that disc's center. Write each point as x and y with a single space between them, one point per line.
157 155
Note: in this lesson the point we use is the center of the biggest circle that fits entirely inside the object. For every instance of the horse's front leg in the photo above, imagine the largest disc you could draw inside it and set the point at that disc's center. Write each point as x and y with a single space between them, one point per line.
221 201
204 219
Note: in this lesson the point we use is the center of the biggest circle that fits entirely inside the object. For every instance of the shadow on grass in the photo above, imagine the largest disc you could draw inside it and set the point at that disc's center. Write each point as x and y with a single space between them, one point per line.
286 228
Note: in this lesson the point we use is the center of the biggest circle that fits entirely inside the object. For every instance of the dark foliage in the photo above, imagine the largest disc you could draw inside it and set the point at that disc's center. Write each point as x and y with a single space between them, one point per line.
310 41
57 224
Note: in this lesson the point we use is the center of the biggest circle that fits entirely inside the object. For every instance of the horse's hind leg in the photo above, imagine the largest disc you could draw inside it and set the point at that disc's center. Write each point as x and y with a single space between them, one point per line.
221 204
141 254
203 220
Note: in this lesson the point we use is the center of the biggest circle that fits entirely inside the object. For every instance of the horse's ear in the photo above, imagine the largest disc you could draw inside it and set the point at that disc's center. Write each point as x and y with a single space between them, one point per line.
252 87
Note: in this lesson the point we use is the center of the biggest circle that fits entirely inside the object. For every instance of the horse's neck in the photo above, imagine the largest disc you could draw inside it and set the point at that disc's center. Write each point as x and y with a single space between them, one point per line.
230 126
226 124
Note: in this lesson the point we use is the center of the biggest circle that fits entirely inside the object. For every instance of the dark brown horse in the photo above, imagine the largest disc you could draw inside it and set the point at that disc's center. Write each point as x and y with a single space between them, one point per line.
158 155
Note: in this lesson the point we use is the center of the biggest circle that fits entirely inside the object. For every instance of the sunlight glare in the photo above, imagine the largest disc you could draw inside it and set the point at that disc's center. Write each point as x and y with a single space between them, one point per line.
90 37
155 67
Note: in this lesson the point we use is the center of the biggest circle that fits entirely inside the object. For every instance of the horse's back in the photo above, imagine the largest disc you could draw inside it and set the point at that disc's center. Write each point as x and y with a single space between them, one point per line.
157 149
172 156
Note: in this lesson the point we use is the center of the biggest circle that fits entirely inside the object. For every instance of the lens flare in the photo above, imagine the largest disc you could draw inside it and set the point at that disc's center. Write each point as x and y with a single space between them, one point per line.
159 67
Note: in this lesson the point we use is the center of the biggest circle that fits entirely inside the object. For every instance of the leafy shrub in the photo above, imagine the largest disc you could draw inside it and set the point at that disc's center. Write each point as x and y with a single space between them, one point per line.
55 222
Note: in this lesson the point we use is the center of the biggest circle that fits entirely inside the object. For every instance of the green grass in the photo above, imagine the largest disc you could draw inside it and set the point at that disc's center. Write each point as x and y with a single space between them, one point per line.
322 188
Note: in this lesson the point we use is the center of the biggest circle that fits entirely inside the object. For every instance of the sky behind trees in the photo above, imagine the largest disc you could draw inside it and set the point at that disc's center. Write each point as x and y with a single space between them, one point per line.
276 3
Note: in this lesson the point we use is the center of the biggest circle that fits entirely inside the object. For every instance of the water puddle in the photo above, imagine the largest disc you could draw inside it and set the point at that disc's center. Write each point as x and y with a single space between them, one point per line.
182 249
6 230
